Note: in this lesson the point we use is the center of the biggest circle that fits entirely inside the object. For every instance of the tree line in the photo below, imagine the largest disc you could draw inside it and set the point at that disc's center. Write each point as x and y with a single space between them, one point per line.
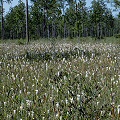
59 18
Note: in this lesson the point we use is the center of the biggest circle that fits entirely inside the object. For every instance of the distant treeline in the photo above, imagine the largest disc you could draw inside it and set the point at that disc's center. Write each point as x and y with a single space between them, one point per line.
61 18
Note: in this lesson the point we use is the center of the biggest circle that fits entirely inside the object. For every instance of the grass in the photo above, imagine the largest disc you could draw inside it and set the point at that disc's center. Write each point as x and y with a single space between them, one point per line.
59 80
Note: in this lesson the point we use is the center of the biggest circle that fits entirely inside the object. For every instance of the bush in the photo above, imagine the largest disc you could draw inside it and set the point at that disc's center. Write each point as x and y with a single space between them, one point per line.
117 35
21 42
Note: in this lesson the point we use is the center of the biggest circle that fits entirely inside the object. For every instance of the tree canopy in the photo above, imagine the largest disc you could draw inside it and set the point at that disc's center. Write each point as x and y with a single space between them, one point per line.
61 18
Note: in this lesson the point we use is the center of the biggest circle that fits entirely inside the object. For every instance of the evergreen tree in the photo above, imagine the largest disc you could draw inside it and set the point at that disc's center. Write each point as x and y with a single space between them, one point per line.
2 15
15 22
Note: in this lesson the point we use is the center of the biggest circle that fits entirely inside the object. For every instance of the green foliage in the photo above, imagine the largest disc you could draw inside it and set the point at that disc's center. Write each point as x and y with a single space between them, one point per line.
61 18
59 55
117 35
21 42
15 22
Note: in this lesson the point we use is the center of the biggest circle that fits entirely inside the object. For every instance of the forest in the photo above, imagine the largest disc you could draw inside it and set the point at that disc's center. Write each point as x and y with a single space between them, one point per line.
61 19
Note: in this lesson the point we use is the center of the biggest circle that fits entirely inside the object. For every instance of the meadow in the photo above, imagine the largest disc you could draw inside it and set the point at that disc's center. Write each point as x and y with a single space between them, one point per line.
61 80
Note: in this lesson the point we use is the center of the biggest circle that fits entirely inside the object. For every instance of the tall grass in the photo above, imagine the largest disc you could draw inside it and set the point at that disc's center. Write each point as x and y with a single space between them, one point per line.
65 81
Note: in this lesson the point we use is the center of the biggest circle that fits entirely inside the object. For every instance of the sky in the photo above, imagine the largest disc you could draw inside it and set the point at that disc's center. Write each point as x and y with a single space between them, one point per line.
15 2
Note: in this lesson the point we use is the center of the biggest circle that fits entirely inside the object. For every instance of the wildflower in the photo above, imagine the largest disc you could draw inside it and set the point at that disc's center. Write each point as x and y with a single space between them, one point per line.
66 101
78 97
86 74
60 117
14 111
57 114
5 103
8 116
46 66
28 102
48 111
20 91
57 104
97 103
3 87
63 59
102 112
28 93
65 77
71 100
113 110
118 109
13 76
21 107
32 114
36 92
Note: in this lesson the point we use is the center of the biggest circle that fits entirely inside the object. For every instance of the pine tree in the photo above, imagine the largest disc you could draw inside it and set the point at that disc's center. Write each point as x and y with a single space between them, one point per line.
2 15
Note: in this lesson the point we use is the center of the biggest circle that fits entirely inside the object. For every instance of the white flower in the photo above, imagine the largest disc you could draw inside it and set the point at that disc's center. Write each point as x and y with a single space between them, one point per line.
57 115
20 91
57 104
3 88
29 103
48 111
13 76
14 111
5 103
36 92
32 114
65 77
86 74
66 101
118 109
78 97
28 93
21 107
71 100
63 59
60 117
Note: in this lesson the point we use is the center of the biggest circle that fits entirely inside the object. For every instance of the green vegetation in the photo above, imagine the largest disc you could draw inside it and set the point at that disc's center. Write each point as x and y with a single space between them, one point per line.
60 80
117 35
69 69
59 18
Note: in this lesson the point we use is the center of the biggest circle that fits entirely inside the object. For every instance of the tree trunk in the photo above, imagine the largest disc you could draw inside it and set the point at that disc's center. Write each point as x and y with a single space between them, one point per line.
2 21
27 26
64 29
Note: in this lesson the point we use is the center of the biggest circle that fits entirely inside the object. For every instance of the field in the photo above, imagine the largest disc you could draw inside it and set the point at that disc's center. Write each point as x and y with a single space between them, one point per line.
60 81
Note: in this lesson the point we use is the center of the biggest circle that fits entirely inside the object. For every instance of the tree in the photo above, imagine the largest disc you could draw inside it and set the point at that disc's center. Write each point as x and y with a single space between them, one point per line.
27 25
117 3
2 19
15 22
64 18
48 11
63 6
97 16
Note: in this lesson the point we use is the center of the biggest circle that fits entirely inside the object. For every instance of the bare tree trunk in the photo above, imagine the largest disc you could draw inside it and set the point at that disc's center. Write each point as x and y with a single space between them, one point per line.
48 32
2 22
64 29
27 26
45 25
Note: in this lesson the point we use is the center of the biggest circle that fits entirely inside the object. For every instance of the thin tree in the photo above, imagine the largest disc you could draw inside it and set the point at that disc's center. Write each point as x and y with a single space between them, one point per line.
2 18
27 25
2 21
2 15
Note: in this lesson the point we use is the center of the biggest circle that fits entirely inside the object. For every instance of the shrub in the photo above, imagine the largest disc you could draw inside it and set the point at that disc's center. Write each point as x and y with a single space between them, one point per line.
117 35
